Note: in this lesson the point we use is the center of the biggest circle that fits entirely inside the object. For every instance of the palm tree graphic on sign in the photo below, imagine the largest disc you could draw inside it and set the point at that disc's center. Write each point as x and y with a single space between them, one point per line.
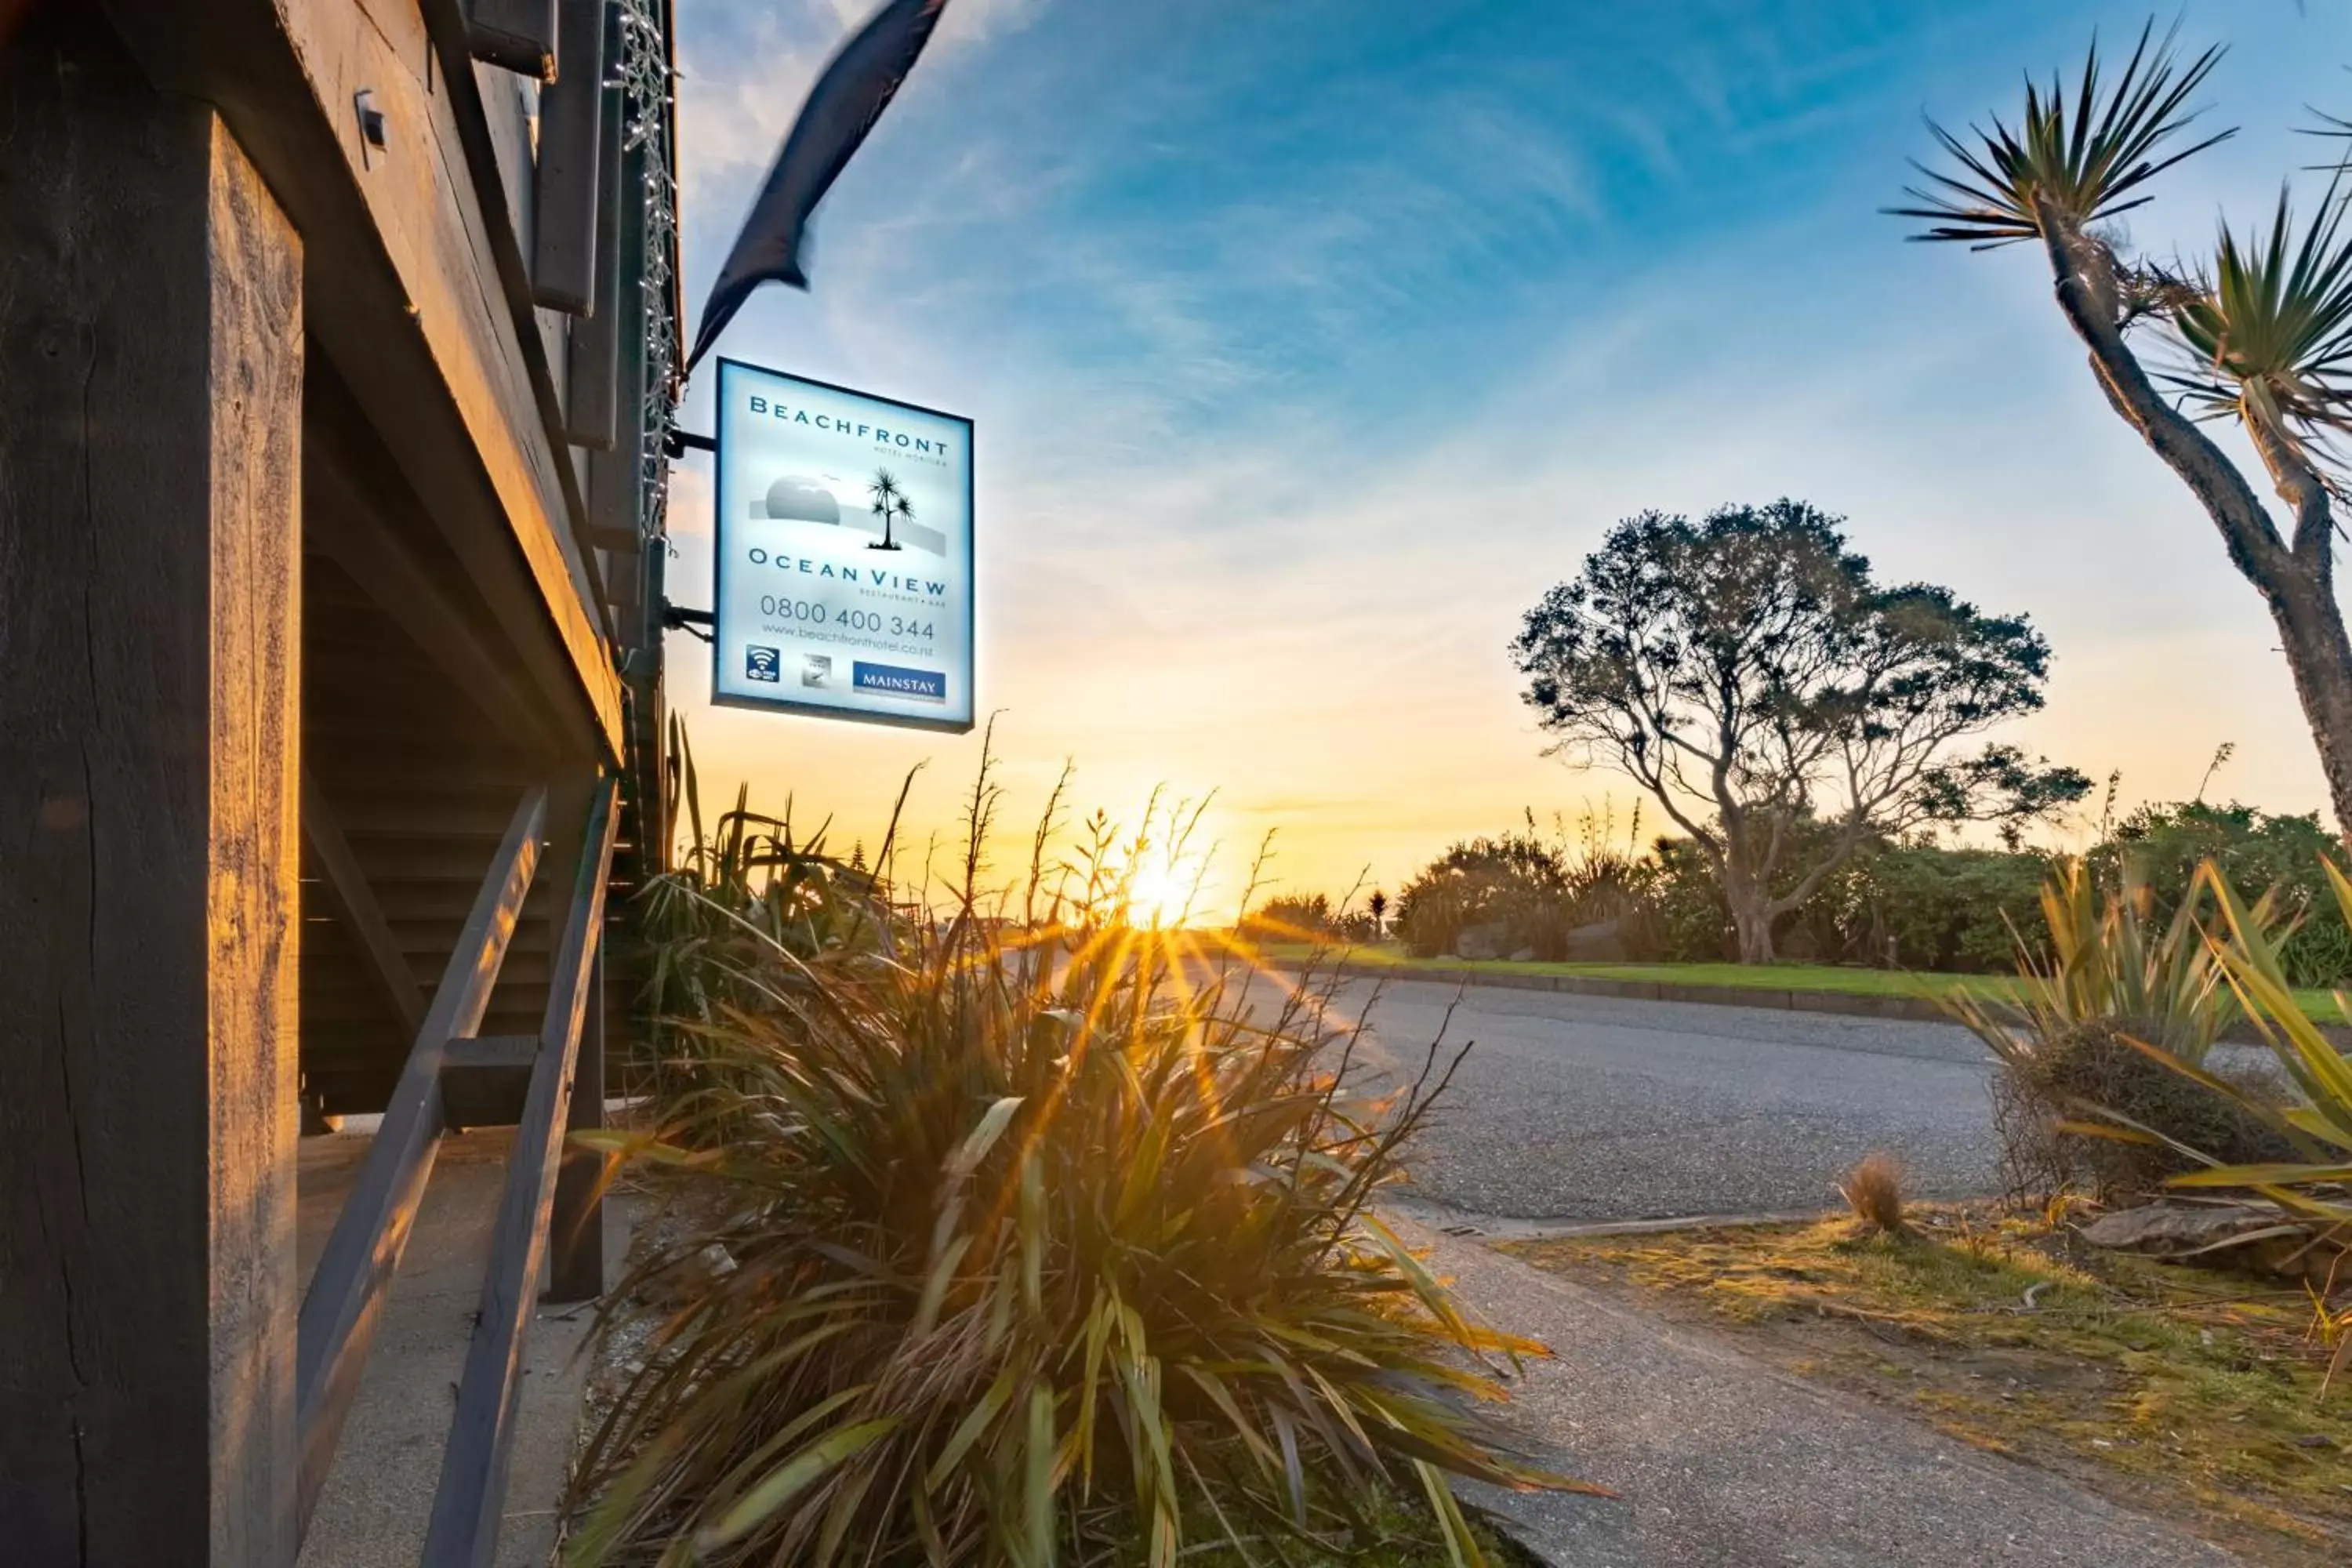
892 505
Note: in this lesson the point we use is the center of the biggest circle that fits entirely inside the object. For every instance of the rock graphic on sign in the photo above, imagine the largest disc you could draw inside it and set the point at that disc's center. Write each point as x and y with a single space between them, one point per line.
794 498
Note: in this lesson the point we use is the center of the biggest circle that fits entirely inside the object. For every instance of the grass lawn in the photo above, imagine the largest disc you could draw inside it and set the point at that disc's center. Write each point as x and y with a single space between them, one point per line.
1843 979
2180 1392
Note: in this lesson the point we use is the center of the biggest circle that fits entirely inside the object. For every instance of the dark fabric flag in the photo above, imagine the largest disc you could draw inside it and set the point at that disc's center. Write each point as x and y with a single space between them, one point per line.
849 96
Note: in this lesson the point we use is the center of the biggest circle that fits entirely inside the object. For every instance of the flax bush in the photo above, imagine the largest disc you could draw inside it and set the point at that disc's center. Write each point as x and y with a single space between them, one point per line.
1046 1245
2103 1056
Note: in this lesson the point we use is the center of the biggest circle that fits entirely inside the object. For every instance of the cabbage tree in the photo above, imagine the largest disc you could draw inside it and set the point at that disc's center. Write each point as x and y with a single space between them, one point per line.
2258 334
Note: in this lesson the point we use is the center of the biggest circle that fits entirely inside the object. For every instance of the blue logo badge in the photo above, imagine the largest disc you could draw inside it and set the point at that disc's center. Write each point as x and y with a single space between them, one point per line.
890 681
762 664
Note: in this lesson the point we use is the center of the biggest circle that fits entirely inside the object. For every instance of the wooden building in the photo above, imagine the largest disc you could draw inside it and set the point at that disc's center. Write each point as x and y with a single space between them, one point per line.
337 348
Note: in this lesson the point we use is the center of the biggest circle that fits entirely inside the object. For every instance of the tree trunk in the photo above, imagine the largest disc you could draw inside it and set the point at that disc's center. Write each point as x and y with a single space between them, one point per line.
2311 631
1751 917
2296 578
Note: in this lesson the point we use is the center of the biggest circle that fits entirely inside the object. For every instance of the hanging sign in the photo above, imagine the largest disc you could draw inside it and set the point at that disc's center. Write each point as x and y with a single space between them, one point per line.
845 554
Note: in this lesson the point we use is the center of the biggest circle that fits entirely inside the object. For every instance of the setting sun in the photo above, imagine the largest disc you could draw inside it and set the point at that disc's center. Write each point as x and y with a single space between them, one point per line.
1163 893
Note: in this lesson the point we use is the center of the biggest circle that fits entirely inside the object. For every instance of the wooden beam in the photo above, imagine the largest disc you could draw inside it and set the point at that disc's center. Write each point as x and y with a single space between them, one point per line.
591 398
615 477
499 184
564 253
151 330
399 249
473 1052
346 1294
468 1504
514 35
347 510
356 910
486 1079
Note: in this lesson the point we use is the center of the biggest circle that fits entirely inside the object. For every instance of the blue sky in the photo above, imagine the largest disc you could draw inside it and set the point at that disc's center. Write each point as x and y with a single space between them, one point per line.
1309 342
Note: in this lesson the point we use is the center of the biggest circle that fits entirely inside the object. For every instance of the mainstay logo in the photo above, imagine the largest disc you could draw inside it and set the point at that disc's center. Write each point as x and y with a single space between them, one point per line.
927 684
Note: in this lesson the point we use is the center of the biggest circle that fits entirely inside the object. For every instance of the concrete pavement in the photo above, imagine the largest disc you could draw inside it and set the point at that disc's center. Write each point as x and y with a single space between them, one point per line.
379 1495
1723 1462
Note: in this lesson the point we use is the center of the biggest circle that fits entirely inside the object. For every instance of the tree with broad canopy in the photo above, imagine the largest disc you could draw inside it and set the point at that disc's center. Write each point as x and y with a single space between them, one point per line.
1748 672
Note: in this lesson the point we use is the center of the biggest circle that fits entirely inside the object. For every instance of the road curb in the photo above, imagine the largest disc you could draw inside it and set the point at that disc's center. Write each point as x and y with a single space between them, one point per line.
1471 1225
1907 1008
1904 1009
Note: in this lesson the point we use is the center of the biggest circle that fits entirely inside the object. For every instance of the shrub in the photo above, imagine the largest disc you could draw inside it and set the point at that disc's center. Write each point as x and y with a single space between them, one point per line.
2079 1099
1923 907
2255 853
742 887
2084 1103
1894 905
1291 917
2311 1181
1517 881
1535 889
1035 1252
1688 913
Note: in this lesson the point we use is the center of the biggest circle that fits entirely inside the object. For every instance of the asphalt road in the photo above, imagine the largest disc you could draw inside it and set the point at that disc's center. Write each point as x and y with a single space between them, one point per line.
1591 1108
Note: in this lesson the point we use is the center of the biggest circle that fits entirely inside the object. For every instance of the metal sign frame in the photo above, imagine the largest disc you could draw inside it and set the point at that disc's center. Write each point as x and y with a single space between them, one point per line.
725 496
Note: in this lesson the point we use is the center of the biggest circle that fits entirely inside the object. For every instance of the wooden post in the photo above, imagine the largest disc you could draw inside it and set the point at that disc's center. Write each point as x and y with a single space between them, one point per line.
575 1260
572 118
575 1256
150 332
591 398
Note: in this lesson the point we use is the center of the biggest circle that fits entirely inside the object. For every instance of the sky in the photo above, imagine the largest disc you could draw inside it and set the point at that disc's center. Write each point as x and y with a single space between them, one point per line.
1308 343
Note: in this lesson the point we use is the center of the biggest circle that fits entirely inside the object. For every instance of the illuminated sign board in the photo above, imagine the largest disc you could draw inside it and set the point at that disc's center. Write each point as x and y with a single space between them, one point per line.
843 552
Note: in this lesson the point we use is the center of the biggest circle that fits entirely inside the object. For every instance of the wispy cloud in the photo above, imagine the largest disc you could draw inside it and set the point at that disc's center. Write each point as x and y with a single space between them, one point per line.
1308 343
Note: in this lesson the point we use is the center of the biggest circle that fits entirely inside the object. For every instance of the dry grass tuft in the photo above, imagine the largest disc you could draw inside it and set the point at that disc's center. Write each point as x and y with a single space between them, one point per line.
1874 1190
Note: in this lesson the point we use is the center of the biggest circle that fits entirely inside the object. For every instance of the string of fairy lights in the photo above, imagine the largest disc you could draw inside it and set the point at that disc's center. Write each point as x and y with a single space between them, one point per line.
646 76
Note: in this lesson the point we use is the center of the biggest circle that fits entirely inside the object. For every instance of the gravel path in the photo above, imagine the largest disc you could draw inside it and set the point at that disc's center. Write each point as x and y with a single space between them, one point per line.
1592 1108
1720 1461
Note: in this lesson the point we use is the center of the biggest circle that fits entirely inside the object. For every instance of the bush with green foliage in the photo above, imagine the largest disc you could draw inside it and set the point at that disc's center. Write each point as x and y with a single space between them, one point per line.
1894 905
1536 889
2256 853
1038 1254
1515 880
1688 913
1924 906
1891 906
1291 917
